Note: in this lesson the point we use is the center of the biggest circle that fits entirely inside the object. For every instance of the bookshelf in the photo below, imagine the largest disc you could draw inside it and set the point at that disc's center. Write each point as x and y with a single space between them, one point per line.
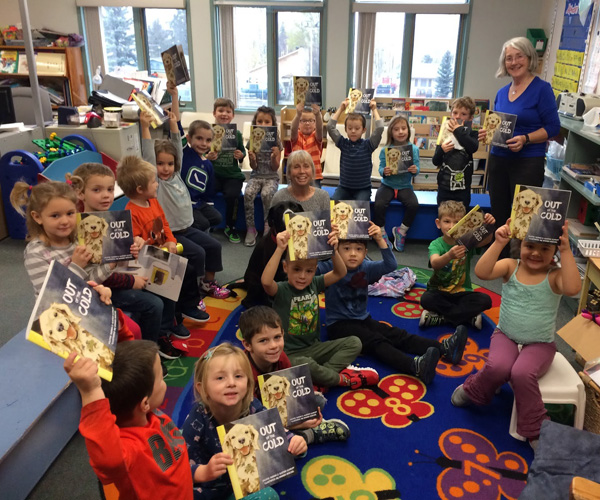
426 124
67 81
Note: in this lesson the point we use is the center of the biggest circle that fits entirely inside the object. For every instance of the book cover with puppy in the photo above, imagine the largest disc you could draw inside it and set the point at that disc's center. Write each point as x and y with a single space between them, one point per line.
471 230
359 101
258 446
69 316
399 158
309 232
307 89
224 137
262 139
499 128
352 218
538 214
291 393
164 270
148 104
107 235
175 65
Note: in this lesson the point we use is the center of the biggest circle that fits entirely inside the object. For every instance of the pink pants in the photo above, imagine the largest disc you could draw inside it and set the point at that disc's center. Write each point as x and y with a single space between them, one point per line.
522 369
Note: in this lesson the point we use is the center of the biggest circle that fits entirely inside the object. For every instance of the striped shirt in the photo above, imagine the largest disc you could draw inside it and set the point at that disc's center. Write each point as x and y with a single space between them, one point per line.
38 257
313 147
356 163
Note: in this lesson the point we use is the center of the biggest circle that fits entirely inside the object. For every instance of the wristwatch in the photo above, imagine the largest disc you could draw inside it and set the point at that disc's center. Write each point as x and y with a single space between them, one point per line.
527 140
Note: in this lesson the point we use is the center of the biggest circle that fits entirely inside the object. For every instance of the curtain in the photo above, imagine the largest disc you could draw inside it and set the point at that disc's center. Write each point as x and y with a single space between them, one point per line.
227 53
365 49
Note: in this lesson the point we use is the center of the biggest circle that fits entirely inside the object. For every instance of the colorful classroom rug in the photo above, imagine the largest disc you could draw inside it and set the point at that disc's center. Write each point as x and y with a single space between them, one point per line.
407 440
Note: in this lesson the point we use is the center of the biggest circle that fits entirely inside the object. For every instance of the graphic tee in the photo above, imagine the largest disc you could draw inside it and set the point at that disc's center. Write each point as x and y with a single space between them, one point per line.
453 277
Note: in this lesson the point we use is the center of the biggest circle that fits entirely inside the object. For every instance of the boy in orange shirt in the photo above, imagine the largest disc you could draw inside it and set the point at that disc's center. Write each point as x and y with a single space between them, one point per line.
307 134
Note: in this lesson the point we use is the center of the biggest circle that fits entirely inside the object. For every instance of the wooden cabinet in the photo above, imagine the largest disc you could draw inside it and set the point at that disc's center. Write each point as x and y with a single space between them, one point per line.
69 84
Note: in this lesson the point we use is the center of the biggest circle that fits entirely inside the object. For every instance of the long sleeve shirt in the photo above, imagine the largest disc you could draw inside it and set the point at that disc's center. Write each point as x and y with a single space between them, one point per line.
401 180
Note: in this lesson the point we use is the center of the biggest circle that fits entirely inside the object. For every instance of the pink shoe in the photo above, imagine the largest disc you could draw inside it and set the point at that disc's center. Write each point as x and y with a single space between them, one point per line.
213 289
202 305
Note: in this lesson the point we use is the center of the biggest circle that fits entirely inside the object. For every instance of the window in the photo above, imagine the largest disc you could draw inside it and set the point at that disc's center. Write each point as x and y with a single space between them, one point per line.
134 38
415 48
271 44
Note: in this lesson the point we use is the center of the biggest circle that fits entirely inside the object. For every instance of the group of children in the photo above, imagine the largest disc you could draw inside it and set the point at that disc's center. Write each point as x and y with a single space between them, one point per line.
138 448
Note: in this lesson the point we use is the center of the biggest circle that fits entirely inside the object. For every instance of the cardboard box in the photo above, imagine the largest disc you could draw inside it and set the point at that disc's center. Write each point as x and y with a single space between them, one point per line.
582 335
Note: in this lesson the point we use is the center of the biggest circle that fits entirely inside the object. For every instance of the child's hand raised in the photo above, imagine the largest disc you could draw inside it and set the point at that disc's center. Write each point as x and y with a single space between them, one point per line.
333 240
457 251
503 233
297 445
172 90
315 108
563 241
172 116
344 104
489 219
282 240
217 466
299 108
81 256
373 104
145 119
374 231
84 374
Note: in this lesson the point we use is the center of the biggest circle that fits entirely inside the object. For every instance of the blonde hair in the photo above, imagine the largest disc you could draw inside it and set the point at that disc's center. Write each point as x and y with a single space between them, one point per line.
133 172
451 208
523 45
301 156
203 366
84 172
166 146
36 199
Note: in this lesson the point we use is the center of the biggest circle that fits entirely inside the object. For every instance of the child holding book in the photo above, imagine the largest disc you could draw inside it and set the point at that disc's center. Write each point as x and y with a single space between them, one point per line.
228 174
297 303
347 314
522 346
262 334
454 156
200 248
131 443
224 390
95 187
307 135
264 178
199 175
397 186
449 295
356 164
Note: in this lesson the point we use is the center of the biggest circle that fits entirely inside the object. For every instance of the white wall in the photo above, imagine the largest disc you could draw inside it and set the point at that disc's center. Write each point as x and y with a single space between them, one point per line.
492 23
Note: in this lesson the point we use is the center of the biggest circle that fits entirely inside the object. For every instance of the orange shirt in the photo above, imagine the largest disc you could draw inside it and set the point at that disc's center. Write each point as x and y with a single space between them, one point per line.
150 223
313 147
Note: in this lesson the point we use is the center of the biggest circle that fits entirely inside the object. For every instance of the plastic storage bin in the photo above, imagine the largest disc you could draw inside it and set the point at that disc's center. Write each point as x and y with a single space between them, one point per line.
538 39
555 165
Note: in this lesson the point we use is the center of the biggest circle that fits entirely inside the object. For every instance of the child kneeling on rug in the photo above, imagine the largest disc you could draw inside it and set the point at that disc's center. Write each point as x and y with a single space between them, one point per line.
347 314
224 390
130 442
449 296
522 346
263 343
297 303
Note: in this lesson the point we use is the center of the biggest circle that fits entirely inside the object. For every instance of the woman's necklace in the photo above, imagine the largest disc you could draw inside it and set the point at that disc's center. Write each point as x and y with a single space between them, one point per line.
514 87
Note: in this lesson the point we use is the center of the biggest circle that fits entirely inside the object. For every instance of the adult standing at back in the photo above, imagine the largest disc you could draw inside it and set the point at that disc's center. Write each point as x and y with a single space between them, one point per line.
532 100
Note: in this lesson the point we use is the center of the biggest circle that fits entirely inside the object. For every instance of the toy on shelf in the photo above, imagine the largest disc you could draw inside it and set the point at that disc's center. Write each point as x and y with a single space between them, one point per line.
54 148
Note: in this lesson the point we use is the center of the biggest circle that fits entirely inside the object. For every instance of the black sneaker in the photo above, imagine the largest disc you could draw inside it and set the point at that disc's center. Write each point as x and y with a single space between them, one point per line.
196 315
180 331
425 365
454 346
232 235
167 350
331 430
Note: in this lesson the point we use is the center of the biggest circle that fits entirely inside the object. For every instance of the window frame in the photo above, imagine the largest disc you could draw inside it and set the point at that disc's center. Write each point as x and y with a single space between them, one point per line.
143 51
411 10
272 8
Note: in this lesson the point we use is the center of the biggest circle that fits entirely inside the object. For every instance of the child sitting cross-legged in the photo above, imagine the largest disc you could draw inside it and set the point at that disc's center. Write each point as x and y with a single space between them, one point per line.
297 303
263 343
130 443
347 314
224 390
449 297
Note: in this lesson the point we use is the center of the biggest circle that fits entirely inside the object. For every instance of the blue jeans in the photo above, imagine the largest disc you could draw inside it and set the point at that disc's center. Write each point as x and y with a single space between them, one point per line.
201 249
147 308
342 193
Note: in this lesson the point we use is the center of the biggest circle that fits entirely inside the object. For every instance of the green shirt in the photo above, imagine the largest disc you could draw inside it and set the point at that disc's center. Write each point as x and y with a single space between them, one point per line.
226 166
299 313
453 277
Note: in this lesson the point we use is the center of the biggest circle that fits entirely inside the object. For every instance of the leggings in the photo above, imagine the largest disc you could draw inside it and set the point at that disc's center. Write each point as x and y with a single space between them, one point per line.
267 189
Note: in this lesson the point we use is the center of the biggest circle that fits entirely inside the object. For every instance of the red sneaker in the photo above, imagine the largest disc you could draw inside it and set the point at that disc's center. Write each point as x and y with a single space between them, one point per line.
358 377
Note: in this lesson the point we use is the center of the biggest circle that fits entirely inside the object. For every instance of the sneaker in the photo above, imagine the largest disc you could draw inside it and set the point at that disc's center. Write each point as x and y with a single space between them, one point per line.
459 397
331 430
250 240
387 240
399 239
477 321
232 235
360 377
213 289
196 315
430 319
201 305
167 350
454 346
425 365
180 331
